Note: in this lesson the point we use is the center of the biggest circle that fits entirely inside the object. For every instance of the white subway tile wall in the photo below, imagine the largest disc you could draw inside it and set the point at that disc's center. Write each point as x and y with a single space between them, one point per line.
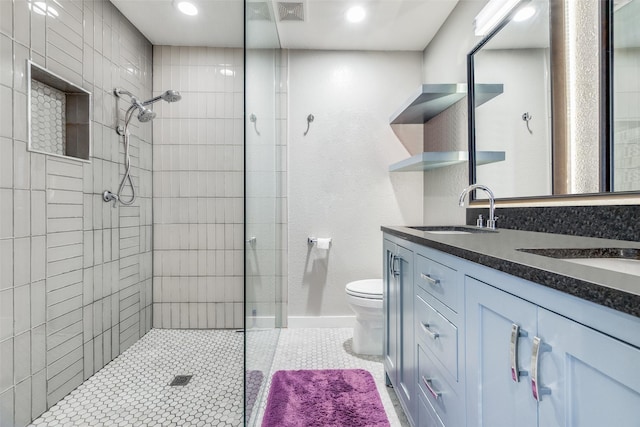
198 189
75 272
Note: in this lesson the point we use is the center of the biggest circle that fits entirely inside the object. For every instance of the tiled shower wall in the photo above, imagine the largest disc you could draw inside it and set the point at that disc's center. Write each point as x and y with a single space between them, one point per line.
75 272
198 189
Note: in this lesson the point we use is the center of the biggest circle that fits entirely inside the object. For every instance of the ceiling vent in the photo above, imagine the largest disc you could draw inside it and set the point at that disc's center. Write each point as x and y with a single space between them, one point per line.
290 11
258 11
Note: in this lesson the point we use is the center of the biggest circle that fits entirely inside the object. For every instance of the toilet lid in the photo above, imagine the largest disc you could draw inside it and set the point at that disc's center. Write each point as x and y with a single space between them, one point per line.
370 288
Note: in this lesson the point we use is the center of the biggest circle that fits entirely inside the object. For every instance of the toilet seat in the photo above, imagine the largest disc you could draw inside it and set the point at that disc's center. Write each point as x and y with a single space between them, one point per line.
369 289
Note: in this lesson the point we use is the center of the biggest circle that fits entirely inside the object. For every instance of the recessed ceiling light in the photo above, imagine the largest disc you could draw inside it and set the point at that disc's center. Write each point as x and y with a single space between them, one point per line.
187 8
524 13
356 14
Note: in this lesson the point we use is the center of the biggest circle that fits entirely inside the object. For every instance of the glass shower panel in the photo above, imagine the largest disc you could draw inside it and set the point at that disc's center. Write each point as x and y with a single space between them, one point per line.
263 201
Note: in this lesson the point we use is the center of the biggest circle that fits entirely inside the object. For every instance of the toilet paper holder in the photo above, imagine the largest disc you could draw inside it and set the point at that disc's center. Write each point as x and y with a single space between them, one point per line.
314 240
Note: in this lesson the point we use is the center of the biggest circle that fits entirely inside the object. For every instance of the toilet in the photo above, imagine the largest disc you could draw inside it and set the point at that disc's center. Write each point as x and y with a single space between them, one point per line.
365 299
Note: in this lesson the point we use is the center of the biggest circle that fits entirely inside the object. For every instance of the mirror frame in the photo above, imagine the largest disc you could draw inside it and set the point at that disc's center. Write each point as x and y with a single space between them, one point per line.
605 109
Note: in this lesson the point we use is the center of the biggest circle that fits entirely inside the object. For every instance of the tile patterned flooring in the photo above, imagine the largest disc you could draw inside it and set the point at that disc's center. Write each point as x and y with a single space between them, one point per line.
133 390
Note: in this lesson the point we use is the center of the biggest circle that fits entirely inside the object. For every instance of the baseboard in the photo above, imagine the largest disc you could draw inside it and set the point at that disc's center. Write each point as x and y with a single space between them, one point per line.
261 322
321 321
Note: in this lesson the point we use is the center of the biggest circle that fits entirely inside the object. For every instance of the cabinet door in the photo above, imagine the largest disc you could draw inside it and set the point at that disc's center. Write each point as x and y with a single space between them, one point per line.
390 309
594 379
407 372
494 399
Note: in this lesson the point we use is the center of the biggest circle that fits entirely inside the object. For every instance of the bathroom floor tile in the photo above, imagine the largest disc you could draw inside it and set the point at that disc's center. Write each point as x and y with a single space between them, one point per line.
133 390
326 348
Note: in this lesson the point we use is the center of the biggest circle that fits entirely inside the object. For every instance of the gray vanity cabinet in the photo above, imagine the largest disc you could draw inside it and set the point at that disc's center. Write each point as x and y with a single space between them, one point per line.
399 351
530 367
467 345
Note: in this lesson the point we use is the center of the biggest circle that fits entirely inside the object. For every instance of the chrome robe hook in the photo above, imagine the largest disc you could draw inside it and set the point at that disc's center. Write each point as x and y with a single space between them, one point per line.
253 119
310 119
526 117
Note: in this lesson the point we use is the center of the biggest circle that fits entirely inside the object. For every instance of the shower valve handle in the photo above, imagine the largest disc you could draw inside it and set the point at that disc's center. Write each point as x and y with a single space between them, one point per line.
108 196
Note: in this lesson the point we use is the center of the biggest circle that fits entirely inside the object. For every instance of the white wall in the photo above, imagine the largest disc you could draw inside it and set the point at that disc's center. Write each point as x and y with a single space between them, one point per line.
339 184
445 61
445 58
499 125
627 117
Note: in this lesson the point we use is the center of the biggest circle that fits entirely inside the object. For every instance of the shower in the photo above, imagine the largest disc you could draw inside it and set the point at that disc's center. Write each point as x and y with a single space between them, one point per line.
144 115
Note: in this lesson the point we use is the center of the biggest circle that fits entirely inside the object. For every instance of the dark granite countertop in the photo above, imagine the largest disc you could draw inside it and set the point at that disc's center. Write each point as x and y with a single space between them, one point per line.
498 250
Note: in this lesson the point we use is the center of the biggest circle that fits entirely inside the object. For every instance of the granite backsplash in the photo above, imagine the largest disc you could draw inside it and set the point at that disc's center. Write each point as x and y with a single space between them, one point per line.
619 222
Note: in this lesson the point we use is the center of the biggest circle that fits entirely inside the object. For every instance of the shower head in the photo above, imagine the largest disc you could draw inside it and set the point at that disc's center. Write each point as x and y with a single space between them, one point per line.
169 96
145 114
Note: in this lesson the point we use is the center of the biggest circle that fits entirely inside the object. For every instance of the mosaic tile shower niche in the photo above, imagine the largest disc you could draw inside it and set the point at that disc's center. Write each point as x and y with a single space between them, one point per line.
59 115
48 113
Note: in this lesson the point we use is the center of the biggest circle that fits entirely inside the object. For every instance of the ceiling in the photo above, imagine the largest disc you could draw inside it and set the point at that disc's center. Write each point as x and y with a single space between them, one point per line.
388 25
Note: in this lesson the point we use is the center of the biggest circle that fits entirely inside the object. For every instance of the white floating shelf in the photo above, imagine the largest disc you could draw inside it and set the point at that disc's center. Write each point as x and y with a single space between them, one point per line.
439 159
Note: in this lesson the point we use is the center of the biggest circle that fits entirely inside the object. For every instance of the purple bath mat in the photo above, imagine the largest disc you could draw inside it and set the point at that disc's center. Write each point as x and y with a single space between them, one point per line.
324 398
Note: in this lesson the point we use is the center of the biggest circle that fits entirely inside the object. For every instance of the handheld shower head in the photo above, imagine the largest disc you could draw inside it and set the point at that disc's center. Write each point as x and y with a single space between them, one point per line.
169 96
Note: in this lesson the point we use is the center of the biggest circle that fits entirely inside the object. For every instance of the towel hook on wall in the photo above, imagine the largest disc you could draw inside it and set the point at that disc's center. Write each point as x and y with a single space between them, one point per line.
527 117
310 119
253 119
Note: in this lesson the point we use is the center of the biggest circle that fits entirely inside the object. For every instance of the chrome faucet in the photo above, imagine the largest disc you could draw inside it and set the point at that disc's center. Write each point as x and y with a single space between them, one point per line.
491 221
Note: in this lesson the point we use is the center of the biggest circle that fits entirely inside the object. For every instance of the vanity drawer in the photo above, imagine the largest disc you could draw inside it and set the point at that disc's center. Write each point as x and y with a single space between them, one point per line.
439 280
437 334
433 385
426 414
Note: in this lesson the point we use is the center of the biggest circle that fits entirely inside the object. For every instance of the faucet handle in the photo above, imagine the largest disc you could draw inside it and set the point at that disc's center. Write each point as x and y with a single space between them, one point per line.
480 221
491 223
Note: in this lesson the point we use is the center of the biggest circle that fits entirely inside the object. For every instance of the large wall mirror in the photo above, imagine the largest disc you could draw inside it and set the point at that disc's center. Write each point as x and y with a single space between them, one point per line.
568 119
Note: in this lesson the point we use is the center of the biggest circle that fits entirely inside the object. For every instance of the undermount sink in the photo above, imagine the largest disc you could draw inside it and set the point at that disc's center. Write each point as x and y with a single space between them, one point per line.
451 229
626 260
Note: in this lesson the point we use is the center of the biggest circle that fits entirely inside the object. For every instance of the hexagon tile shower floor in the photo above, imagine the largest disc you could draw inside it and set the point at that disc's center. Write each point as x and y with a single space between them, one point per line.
134 389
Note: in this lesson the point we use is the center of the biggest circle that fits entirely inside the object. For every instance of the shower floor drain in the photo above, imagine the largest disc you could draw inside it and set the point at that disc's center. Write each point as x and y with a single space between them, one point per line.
181 380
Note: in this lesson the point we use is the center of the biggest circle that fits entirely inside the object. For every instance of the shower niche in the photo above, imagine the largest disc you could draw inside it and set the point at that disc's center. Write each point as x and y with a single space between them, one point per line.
59 115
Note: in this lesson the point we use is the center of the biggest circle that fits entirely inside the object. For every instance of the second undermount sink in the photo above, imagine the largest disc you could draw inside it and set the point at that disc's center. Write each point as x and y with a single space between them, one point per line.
622 260
451 229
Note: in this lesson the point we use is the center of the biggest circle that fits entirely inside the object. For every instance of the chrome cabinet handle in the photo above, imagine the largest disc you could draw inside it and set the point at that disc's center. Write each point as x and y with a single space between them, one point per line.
390 263
513 352
427 382
536 390
427 329
395 270
429 279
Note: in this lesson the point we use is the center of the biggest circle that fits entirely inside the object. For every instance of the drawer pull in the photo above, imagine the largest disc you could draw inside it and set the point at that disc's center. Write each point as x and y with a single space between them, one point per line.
427 382
429 279
516 333
426 327
396 262
536 390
